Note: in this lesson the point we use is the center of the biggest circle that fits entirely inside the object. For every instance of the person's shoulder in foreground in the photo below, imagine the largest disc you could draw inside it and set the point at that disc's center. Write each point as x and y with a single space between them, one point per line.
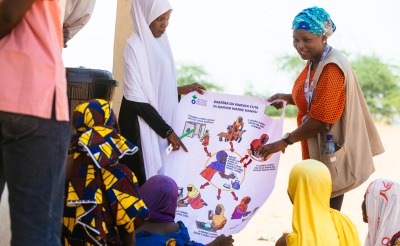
27 25
33 119
160 193
313 221
381 210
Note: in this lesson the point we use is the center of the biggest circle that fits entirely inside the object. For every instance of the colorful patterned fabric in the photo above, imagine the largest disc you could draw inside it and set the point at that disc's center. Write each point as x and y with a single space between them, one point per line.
315 20
382 200
96 132
329 98
102 194
313 221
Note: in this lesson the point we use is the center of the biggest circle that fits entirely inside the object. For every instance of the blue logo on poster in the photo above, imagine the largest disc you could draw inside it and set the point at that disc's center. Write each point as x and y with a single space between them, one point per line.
194 99
198 101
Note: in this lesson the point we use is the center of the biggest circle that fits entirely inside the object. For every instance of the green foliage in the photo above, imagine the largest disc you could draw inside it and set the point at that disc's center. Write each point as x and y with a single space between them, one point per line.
291 111
292 64
251 92
380 85
379 82
188 74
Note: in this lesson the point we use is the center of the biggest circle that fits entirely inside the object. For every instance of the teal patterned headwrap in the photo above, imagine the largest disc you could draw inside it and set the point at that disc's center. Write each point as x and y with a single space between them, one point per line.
315 20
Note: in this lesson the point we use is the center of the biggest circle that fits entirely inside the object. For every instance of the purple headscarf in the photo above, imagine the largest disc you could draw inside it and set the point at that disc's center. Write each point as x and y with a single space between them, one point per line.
218 165
160 194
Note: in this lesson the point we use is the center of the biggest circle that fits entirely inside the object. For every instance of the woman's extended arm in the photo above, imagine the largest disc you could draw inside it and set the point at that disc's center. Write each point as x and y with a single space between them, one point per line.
152 118
309 128
280 96
157 123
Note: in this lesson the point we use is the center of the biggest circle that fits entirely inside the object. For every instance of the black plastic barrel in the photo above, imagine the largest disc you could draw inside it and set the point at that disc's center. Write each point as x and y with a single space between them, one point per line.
84 84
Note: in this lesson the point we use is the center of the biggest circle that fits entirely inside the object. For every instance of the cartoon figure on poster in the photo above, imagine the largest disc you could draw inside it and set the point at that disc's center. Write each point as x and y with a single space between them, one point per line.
217 218
237 129
205 140
241 209
256 144
238 124
193 198
217 166
194 129
233 132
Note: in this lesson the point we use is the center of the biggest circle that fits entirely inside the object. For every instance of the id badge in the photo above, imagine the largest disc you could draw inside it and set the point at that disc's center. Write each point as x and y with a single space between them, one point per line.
305 117
169 149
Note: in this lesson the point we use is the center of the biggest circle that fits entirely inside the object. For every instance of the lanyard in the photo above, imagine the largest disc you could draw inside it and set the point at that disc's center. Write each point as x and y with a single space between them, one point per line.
309 89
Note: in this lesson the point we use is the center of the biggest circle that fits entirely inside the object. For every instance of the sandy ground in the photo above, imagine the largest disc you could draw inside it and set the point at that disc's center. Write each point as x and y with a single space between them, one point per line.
275 215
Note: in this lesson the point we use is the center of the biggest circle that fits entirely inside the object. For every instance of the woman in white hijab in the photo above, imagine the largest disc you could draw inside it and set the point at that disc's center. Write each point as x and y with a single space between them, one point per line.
381 210
150 92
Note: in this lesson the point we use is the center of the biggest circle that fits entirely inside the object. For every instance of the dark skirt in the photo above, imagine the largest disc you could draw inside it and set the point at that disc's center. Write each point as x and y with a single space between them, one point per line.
129 126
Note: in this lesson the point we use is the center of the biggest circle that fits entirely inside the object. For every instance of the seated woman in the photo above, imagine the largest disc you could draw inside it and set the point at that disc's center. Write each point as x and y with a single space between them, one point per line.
313 221
217 218
241 209
381 210
160 193
102 203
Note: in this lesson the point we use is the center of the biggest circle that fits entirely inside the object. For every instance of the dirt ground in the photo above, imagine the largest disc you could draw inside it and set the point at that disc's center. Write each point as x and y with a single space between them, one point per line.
274 217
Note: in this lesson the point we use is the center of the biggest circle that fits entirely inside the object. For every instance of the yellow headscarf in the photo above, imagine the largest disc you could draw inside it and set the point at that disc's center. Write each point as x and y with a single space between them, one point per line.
194 192
219 219
313 221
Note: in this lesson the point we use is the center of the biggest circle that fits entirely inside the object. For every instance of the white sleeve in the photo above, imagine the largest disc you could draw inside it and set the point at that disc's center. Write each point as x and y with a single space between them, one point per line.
77 14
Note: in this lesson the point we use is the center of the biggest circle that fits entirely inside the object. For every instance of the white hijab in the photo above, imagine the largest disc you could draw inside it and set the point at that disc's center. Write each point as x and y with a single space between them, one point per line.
383 209
149 74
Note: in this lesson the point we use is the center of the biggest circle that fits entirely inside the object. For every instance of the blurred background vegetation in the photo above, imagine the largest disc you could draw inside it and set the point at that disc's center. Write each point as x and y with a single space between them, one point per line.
379 81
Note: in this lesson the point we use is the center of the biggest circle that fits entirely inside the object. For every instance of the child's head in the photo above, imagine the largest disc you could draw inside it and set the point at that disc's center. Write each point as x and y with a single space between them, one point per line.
160 194
381 210
306 175
95 112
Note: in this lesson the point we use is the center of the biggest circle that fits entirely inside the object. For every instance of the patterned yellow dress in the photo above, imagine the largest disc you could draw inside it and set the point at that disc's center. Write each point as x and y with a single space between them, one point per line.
102 195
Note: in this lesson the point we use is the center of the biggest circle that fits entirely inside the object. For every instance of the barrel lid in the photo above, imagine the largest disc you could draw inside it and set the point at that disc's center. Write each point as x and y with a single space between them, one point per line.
87 75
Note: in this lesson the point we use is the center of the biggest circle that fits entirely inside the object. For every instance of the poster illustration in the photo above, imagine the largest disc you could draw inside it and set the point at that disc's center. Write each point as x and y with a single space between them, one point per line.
222 182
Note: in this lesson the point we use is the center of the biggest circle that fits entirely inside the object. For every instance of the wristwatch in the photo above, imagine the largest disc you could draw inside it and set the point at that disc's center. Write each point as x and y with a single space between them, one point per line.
286 138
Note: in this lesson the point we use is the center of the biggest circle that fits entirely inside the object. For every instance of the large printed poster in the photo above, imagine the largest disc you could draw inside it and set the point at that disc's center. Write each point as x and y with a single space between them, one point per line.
222 182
